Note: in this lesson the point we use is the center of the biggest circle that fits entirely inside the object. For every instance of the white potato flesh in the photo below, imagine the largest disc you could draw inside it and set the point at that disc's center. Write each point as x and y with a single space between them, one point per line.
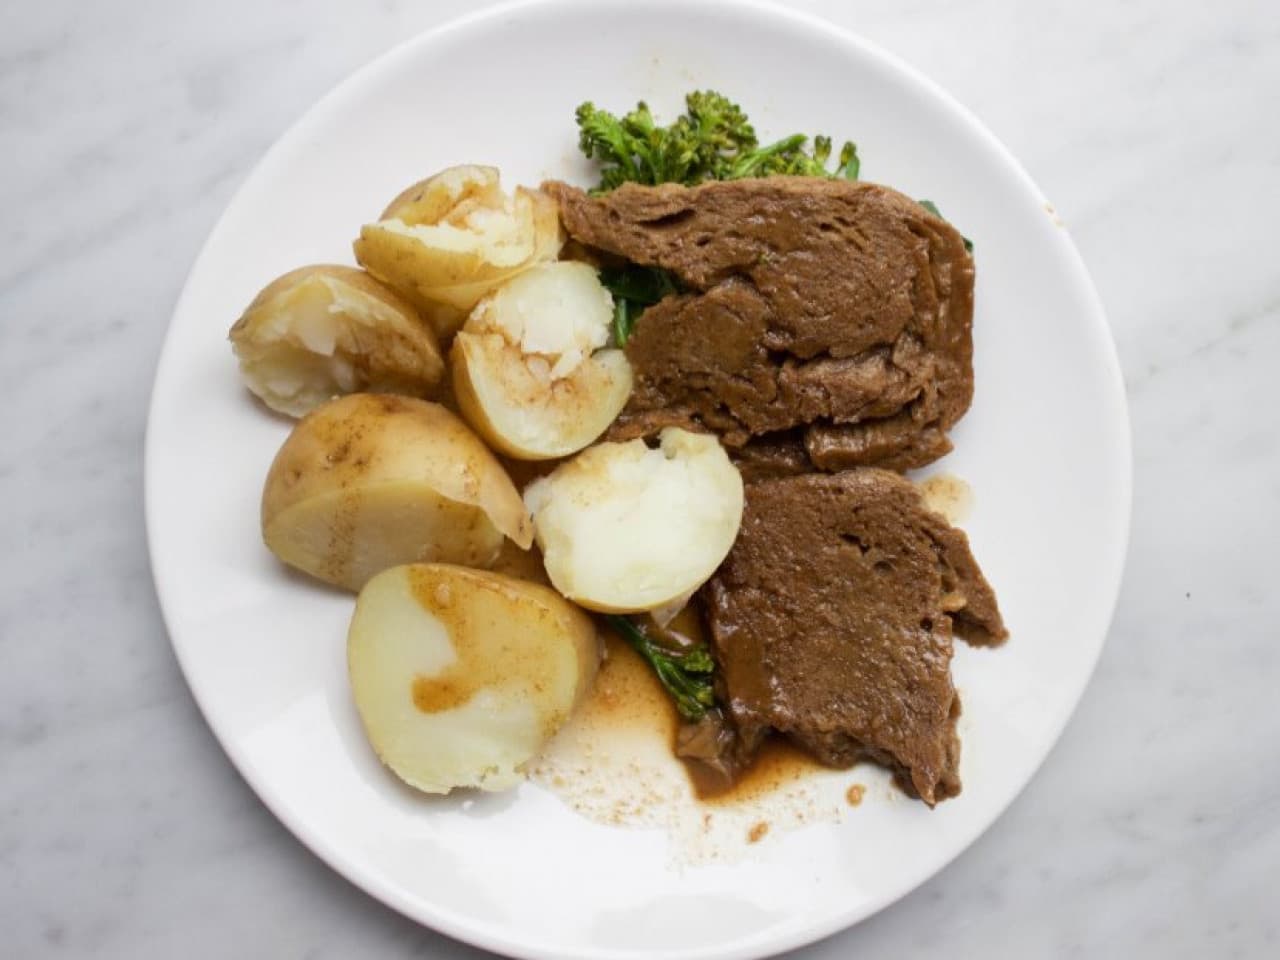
501 238
624 528
530 371
461 676
324 330
369 481
446 242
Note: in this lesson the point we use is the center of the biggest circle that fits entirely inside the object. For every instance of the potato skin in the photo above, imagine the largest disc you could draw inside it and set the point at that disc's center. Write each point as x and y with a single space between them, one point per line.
460 676
460 276
431 199
351 276
445 279
398 353
371 480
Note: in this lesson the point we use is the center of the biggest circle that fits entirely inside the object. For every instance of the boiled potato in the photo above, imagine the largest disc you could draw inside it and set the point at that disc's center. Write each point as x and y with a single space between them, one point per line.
370 481
446 242
435 198
625 528
325 330
529 371
460 676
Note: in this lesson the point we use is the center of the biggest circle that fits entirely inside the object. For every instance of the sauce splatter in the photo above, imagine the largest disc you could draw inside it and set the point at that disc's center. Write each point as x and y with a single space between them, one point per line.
757 831
614 763
854 794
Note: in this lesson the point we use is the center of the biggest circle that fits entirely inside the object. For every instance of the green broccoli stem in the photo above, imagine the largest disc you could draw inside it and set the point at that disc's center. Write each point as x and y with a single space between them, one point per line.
686 674
849 165
745 166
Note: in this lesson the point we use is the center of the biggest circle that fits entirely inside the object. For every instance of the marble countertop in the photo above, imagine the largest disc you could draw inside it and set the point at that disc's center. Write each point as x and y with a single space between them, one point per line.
1154 826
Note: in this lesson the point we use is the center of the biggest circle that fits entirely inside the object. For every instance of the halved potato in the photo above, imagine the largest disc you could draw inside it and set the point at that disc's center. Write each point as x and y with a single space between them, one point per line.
370 481
325 330
625 528
447 241
529 371
460 676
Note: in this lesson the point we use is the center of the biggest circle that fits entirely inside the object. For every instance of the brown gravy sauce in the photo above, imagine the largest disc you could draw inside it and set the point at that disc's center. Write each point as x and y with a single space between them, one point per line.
627 695
778 765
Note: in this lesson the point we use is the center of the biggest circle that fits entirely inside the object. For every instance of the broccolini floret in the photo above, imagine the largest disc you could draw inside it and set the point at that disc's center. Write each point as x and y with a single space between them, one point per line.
711 140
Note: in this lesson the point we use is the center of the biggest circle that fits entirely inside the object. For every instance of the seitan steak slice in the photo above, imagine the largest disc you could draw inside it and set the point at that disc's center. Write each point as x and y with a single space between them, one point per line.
836 309
832 618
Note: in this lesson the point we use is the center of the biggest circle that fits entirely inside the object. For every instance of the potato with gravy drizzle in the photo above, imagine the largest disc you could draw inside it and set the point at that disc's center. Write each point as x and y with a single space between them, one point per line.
460 676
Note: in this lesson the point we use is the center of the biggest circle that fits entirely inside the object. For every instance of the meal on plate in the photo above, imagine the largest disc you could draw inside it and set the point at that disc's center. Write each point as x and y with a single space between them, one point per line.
691 393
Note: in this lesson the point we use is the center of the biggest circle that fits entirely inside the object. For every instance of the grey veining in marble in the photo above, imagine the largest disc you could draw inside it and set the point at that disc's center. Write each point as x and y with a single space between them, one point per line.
1154 826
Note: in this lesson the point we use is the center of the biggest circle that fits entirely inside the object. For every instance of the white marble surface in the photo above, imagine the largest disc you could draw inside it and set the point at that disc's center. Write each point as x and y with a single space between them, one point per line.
1153 828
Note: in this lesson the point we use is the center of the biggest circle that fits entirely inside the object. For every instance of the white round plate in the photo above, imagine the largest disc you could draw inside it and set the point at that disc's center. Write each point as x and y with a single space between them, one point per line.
1045 449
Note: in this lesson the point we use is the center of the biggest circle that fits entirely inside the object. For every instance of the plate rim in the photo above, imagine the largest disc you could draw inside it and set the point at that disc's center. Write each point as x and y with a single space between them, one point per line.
785 937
